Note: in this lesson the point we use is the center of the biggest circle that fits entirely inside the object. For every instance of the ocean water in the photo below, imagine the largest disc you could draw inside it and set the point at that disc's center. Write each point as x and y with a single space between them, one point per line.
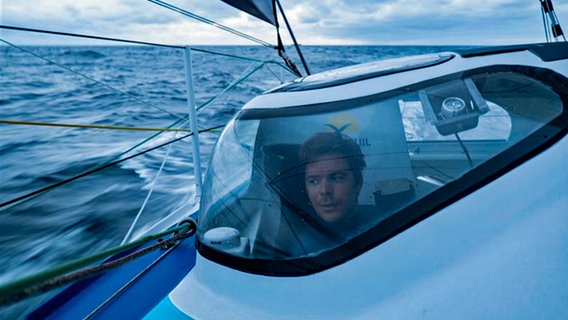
131 86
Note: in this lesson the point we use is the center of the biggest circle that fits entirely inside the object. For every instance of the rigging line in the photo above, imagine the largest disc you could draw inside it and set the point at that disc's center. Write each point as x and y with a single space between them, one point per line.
545 23
267 62
210 22
555 29
281 65
115 157
293 38
88 36
150 138
242 58
132 281
128 41
46 280
228 55
232 85
88 126
93 79
147 196
279 77
88 172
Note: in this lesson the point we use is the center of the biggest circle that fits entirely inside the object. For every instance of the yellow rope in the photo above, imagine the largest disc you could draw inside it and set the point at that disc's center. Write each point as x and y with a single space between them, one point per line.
89 126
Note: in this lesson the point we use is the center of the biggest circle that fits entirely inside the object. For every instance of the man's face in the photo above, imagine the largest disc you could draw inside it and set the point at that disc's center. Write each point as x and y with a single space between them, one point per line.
331 186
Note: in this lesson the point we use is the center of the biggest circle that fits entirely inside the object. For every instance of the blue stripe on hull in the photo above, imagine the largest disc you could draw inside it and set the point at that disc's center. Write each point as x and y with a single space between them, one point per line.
81 298
167 310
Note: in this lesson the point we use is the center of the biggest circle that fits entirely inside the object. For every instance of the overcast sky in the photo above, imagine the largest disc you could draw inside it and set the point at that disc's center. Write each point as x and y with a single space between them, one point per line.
315 22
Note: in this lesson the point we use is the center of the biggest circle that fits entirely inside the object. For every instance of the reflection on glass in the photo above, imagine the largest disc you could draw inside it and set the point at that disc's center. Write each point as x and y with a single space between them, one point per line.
273 192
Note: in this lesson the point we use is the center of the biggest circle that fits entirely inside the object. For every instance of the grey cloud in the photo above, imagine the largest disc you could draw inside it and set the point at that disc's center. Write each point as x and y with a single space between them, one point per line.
359 21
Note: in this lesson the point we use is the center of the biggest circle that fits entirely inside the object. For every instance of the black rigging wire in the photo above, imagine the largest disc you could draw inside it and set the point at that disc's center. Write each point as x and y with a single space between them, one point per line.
88 36
210 22
545 23
160 3
86 173
78 35
547 10
304 63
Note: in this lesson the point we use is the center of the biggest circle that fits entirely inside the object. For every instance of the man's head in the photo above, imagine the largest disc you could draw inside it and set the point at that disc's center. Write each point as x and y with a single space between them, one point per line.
333 174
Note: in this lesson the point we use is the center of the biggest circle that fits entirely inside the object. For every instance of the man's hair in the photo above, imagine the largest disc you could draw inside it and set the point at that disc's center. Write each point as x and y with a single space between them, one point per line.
323 143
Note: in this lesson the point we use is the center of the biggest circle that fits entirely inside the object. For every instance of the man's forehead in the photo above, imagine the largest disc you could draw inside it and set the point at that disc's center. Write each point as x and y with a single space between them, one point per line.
327 166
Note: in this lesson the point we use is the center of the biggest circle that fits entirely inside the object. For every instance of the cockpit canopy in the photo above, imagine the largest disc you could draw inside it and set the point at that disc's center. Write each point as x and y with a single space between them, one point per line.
422 146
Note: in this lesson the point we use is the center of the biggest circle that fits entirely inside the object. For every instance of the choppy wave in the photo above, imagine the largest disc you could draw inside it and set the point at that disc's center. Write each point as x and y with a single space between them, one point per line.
87 54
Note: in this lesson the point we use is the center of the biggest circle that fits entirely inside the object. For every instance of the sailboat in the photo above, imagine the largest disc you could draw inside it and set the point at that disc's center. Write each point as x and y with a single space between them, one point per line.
457 207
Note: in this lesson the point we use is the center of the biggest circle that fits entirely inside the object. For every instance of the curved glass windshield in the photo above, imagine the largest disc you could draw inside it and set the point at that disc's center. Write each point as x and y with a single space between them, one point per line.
300 182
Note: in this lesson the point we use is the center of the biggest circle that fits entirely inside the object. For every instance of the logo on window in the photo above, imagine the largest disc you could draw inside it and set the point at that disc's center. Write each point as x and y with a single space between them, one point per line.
347 124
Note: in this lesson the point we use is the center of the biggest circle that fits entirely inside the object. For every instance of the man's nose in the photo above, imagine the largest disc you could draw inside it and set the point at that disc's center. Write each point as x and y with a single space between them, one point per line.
326 187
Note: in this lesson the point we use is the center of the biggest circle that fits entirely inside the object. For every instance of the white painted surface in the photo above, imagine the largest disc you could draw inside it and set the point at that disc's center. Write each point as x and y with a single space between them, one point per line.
399 80
499 253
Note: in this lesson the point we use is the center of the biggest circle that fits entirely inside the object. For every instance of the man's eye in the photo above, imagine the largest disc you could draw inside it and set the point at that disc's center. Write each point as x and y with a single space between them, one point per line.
338 177
312 181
